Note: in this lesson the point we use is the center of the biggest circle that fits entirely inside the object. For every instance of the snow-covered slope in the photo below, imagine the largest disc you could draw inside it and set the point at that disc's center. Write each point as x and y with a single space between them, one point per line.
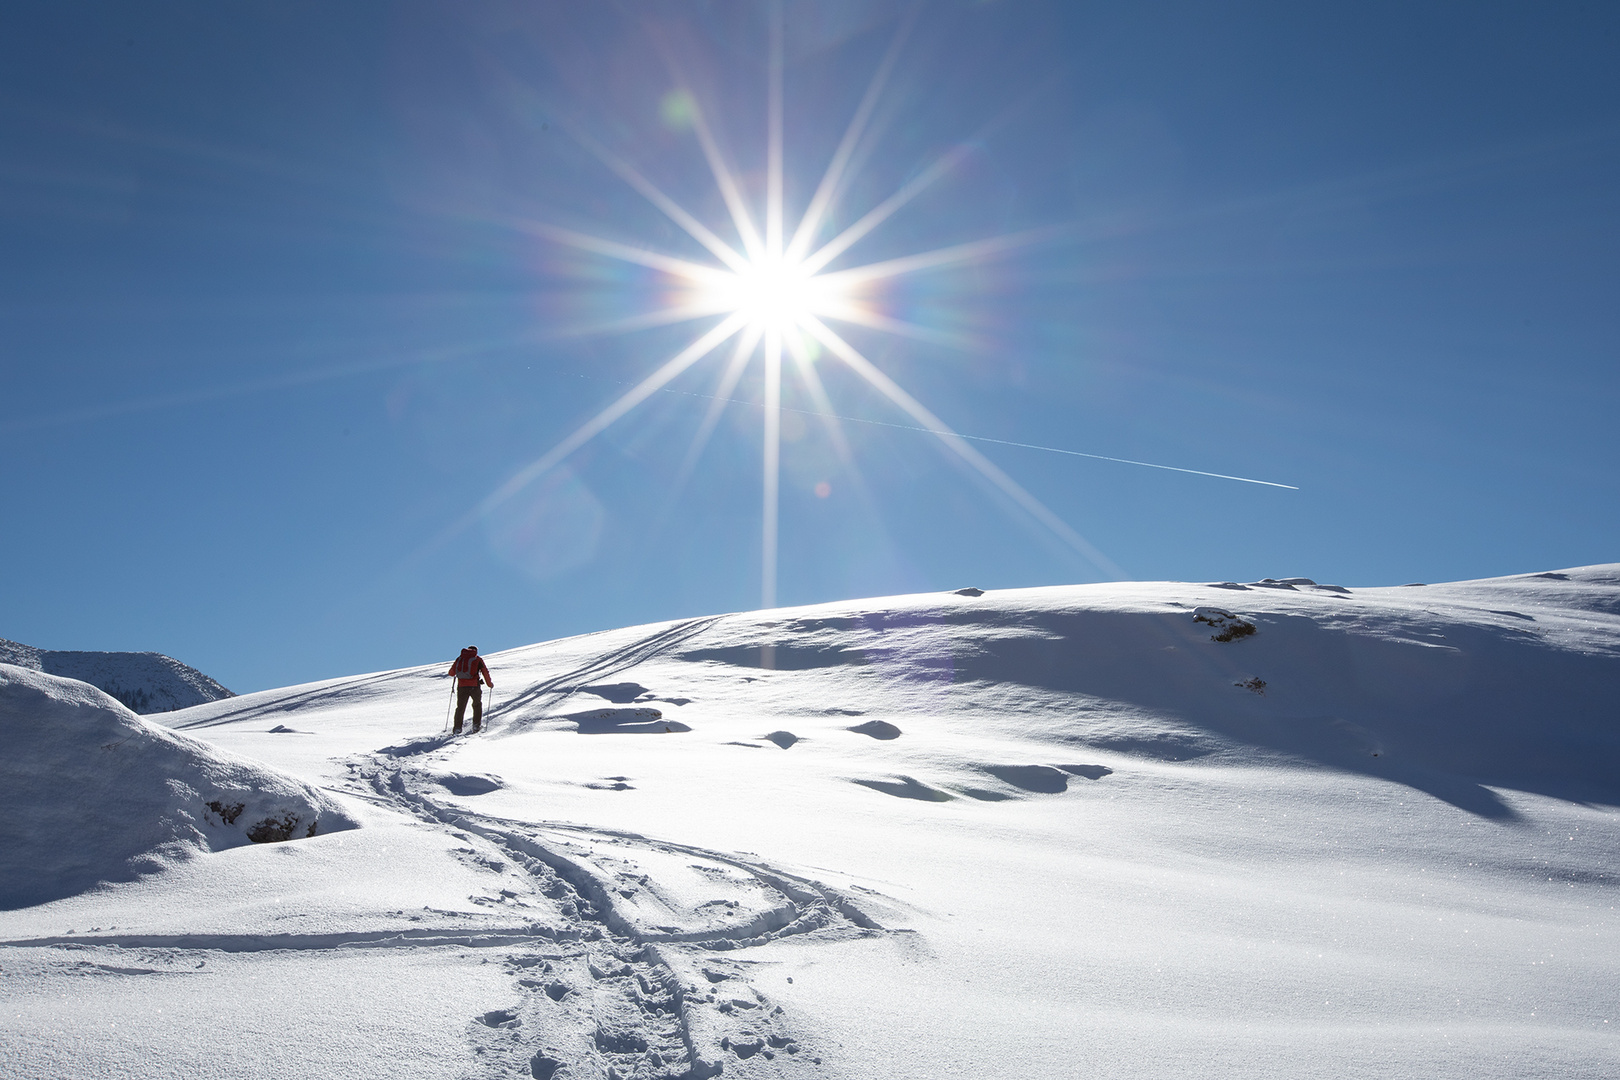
146 682
1136 830
93 793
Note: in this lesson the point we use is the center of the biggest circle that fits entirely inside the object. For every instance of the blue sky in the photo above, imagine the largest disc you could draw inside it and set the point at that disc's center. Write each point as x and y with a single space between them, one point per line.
275 319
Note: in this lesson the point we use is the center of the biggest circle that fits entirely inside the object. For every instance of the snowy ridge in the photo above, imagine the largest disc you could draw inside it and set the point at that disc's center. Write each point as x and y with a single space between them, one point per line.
1276 827
145 682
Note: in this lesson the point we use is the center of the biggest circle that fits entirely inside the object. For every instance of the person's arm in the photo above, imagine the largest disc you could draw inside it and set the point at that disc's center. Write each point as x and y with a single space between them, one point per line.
487 680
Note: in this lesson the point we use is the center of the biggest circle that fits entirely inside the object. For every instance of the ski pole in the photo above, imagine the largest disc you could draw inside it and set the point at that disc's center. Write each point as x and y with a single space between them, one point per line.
448 706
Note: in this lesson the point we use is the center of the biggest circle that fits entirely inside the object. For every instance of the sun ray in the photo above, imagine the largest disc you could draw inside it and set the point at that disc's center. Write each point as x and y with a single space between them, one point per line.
918 412
832 180
805 368
742 352
955 255
910 190
667 316
672 367
830 420
850 312
773 465
885 209
773 140
613 249
673 210
724 179
727 183
746 344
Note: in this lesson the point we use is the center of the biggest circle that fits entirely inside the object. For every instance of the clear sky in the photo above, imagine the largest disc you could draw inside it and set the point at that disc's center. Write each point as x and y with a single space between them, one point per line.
285 308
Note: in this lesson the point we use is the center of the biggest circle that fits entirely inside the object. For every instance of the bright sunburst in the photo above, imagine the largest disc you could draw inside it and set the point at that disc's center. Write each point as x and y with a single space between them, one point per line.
774 297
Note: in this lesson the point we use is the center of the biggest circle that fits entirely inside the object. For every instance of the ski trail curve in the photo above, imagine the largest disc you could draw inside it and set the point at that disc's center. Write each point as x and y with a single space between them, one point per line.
634 984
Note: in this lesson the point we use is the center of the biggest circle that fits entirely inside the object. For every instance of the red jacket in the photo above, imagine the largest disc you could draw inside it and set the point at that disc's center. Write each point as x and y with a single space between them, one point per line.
467 669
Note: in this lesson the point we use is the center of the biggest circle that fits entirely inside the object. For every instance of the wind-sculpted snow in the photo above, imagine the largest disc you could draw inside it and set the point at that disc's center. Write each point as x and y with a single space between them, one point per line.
90 792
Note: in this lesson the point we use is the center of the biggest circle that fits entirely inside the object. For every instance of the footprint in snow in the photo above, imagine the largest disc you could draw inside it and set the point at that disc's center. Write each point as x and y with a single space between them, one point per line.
499 1018
877 729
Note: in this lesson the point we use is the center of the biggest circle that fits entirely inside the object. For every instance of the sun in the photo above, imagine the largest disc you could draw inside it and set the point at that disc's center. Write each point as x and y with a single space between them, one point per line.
775 294
775 291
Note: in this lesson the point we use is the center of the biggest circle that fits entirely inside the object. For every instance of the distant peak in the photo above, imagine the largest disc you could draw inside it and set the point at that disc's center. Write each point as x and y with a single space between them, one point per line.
145 682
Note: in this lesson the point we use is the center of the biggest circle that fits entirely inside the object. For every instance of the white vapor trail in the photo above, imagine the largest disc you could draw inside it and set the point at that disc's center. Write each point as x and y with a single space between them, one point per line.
987 439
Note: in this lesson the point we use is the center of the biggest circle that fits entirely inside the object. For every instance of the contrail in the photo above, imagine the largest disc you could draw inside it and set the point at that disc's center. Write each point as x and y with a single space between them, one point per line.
998 442
1078 453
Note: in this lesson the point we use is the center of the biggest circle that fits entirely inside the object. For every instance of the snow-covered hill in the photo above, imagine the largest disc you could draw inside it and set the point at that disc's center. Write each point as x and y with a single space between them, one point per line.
1134 830
146 682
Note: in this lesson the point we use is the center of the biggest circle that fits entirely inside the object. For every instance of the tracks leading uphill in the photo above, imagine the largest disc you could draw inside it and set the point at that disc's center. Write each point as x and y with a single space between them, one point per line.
529 705
519 712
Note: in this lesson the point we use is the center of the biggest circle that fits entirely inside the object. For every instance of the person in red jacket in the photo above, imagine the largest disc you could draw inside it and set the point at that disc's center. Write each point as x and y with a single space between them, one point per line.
468 669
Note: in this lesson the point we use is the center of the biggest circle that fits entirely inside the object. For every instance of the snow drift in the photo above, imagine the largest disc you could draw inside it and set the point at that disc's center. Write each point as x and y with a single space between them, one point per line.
92 793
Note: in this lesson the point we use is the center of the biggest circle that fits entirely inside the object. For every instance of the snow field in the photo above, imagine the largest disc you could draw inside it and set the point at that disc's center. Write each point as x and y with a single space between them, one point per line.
1045 833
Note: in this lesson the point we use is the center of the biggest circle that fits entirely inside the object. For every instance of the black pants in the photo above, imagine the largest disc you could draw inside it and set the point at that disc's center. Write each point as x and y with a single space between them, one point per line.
476 692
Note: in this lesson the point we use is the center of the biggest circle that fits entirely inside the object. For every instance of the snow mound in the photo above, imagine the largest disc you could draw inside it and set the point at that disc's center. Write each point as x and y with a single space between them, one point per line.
145 682
90 792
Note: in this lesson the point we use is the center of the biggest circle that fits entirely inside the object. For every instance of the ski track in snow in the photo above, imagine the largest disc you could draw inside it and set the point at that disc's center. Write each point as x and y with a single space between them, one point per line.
641 1000
533 703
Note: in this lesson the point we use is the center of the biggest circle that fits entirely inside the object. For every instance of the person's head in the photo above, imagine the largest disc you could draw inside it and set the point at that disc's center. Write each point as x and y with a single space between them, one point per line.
473 649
